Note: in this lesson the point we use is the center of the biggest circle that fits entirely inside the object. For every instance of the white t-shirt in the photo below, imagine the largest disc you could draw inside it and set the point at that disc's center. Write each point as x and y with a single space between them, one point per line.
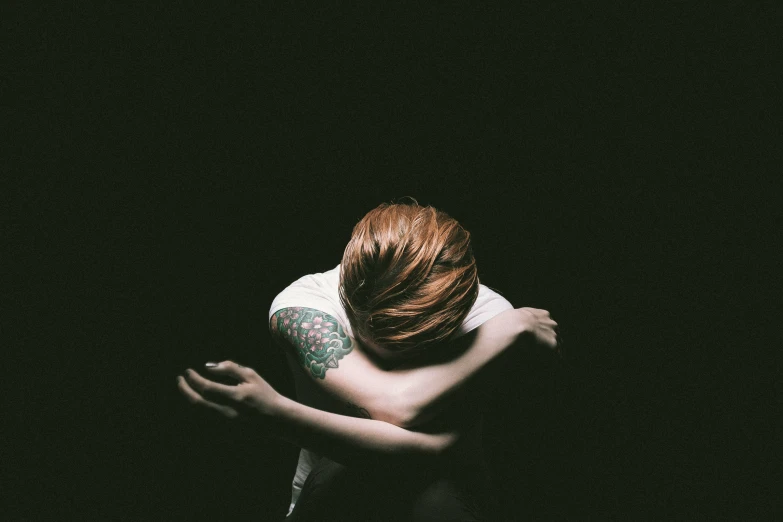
321 292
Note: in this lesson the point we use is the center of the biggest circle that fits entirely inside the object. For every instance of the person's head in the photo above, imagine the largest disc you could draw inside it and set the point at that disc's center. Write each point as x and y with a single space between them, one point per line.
408 279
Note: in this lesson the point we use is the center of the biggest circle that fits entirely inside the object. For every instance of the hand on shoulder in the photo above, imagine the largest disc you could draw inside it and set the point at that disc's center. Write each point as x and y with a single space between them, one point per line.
533 323
537 324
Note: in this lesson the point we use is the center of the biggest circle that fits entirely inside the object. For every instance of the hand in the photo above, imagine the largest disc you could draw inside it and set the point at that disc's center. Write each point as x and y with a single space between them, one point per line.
540 326
250 396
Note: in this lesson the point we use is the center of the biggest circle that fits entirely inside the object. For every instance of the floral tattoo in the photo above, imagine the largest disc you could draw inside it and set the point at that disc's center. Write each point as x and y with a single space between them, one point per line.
318 339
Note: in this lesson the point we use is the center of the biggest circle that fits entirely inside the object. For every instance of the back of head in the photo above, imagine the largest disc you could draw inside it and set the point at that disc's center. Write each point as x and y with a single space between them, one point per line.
408 277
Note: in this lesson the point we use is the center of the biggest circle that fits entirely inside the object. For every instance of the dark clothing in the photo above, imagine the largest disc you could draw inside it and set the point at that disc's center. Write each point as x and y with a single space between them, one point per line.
445 493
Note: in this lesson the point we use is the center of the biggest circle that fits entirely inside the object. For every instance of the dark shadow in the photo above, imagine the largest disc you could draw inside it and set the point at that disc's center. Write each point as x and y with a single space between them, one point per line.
531 433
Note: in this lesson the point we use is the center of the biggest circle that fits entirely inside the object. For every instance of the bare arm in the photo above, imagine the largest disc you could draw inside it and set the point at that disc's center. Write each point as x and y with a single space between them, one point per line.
351 440
347 439
404 397
342 438
426 390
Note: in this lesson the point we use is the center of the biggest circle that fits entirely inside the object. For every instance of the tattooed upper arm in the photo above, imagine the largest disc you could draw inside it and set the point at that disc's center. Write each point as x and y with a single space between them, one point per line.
318 342
318 339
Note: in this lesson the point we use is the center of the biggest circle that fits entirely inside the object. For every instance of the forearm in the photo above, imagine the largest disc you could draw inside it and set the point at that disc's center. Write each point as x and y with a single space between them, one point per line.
351 440
403 397
424 390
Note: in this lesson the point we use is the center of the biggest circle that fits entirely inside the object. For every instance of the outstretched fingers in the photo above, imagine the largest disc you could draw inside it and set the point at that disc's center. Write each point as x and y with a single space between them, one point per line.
207 387
195 398
232 369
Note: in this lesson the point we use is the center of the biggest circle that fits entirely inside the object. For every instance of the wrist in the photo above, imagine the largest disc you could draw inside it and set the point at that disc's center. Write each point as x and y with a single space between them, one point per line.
524 321
279 416
279 407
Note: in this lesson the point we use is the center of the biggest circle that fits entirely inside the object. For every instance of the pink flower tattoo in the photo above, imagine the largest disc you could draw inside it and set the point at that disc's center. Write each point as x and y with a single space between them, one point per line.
315 332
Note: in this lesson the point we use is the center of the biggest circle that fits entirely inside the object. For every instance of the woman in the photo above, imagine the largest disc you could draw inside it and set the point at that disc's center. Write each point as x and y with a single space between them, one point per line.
384 349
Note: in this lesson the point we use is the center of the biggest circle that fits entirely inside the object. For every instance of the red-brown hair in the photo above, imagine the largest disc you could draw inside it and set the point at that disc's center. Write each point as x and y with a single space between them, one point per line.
408 277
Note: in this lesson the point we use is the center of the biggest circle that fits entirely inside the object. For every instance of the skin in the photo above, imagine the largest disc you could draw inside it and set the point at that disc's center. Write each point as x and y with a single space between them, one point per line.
345 439
318 338
374 395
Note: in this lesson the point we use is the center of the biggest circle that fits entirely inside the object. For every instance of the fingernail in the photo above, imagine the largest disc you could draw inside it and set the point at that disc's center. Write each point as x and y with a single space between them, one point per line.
211 365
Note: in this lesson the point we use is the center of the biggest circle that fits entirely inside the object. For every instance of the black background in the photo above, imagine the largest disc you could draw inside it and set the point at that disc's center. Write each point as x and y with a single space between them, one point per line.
170 169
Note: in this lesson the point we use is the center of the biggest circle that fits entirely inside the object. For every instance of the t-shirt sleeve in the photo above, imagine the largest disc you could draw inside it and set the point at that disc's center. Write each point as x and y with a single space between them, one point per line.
290 298
317 291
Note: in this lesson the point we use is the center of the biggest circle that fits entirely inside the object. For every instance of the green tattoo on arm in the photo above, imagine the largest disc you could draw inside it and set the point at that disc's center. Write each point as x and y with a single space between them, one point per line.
318 339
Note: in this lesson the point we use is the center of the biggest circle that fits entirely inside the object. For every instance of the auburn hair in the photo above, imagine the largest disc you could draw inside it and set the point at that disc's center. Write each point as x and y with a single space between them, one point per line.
408 277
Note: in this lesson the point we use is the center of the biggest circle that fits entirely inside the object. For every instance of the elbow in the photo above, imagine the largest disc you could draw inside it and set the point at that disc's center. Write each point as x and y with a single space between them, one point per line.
408 418
393 411
404 411
400 415
414 418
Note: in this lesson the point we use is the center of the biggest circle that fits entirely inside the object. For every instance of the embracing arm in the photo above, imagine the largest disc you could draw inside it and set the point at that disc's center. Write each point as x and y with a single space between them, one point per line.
387 396
425 390
351 440
342 438
404 397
